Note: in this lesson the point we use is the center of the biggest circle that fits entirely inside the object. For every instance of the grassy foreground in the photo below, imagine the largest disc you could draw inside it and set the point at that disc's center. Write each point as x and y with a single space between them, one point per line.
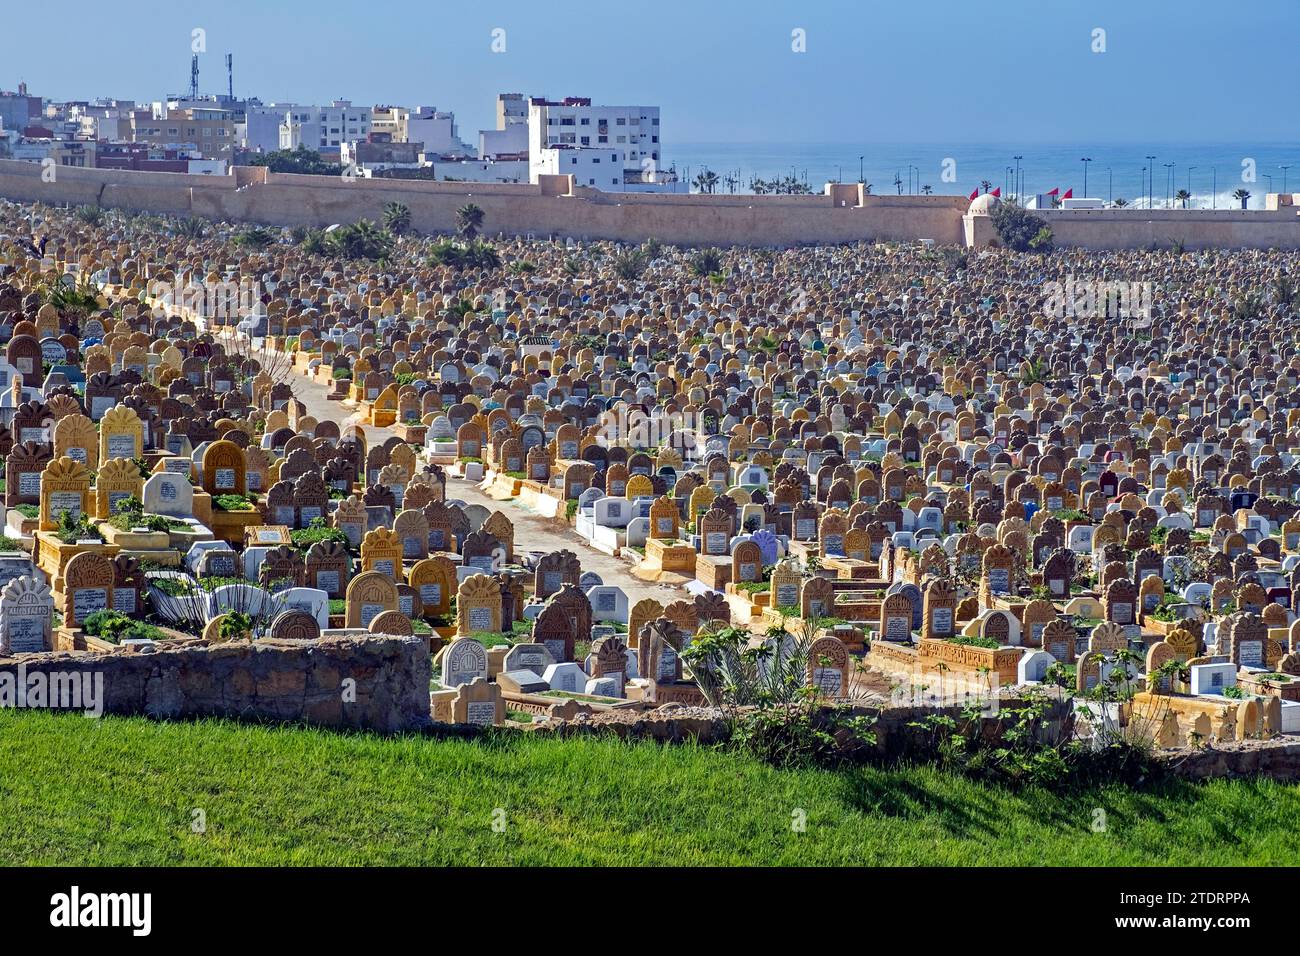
124 791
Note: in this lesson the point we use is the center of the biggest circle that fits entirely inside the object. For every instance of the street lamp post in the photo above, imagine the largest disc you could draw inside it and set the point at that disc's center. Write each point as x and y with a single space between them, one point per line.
861 171
1284 169
1151 189
1189 182
1169 180
1110 184
1018 182
1085 160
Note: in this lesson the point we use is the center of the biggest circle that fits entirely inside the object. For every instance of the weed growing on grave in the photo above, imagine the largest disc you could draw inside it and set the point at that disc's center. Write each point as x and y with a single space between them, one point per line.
764 696
1026 747
318 530
71 530
115 627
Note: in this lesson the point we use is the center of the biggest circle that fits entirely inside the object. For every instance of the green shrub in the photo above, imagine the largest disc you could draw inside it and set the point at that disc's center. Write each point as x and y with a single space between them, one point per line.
987 642
234 625
130 514
116 627
71 530
317 530
233 503
1018 228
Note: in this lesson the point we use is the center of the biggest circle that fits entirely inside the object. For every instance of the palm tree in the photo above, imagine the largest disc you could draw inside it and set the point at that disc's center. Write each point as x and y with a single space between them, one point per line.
866 189
469 220
90 215
314 242
483 255
629 264
985 185
1120 203
706 181
898 183
256 238
447 253
397 217
361 240
1243 195
927 190
191 227
1183 195
706 262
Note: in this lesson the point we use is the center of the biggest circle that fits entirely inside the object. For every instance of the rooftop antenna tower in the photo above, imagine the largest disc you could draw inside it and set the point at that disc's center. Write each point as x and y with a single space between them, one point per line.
194 77
230 76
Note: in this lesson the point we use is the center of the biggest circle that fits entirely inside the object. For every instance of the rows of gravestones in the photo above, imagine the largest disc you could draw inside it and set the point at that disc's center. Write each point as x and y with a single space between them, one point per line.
928 460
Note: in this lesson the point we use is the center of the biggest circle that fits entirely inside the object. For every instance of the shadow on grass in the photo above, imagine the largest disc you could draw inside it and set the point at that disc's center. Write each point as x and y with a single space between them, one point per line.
971 808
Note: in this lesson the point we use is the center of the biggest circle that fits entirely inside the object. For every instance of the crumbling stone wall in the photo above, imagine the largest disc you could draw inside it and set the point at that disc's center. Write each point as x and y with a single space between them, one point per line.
264 680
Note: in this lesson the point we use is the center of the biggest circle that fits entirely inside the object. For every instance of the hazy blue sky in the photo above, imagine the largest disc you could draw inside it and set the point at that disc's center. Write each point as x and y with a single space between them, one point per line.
909 70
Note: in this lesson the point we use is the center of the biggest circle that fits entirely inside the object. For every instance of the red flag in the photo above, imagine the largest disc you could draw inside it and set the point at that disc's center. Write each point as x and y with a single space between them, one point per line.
974 192
1069 193
1055 190
998 192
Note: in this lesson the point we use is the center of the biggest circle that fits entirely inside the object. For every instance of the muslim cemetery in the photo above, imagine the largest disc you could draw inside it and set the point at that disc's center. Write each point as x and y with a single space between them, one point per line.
617 547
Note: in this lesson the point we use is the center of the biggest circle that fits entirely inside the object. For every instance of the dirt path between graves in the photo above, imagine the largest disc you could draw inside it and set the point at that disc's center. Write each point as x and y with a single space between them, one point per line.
532 531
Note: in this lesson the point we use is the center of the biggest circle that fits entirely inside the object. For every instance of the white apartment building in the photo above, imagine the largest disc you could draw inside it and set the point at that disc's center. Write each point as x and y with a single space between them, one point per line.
605 147
595 168
509 140
482 171
324 127
263 126
436 130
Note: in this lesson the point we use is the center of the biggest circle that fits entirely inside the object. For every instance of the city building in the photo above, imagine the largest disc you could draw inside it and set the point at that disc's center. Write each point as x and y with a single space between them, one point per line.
210 131
482 171
606 147
262 129
155 159
18 110
378 152
324 128
509 141
390 120
61 152
436 130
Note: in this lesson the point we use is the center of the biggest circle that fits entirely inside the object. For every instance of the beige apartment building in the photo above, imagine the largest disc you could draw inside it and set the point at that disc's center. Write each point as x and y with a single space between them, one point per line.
210 131
391 120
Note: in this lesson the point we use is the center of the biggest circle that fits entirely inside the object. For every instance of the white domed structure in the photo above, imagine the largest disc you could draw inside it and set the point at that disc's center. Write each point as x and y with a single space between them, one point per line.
983 205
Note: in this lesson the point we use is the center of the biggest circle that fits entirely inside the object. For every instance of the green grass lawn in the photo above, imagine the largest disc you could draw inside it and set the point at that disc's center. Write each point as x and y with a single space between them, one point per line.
123 791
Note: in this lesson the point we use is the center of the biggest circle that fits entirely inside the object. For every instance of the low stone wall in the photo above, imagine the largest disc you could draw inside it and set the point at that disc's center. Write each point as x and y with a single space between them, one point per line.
892 727
1278 759
279 680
